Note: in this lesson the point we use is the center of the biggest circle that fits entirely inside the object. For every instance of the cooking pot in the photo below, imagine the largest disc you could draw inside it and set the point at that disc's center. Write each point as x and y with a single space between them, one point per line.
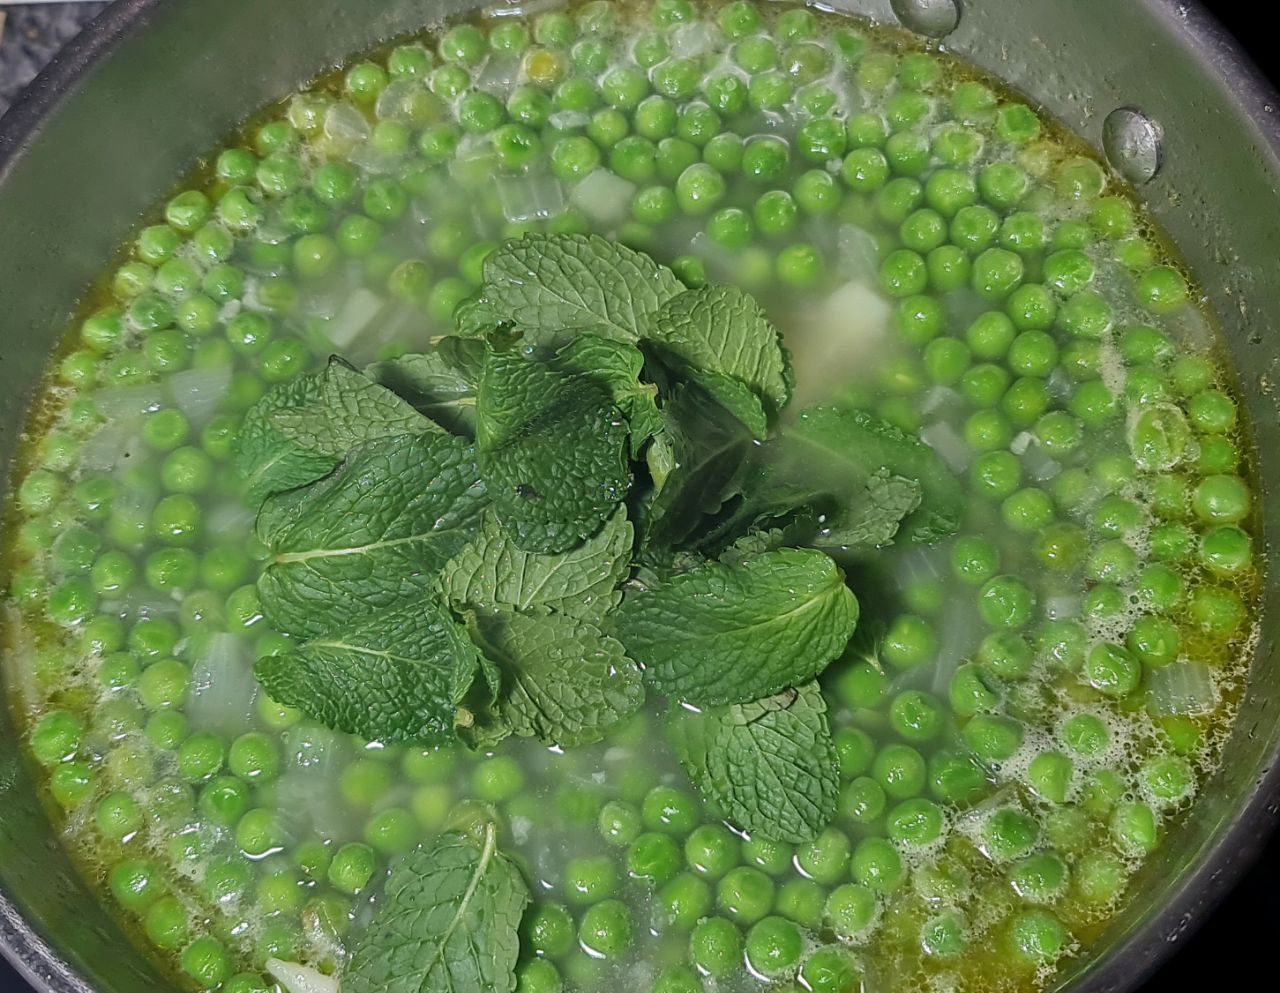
130 106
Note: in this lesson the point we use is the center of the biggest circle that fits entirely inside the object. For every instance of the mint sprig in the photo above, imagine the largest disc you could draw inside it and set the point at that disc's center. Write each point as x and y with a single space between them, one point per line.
582 495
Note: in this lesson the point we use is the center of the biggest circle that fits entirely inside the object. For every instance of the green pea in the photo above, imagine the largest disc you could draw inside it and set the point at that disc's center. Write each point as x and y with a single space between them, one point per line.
715 947
549 930
773 946
711 850
682 902
745 894
877 865
653 857
606 928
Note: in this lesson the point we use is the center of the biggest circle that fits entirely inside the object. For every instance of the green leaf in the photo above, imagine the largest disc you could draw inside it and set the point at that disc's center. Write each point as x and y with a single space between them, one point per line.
351 410
373 535
564 681
398 675
492 572
771 765
723 340
697 463
448 922
735 633
871 515
265 461
569 281
841 448
440 384
617 367
552 452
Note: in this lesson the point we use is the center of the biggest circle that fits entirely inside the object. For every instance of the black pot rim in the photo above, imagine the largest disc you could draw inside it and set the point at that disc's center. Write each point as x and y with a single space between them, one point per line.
1199 892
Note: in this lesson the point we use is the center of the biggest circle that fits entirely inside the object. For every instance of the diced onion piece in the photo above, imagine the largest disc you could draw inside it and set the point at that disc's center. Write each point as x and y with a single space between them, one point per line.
198 392
223 687
345 122
530 198
950 447
298 978
603 196
1182 689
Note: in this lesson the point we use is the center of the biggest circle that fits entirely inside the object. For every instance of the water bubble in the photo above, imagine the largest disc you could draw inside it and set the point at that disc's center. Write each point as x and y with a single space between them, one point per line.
1133 141
931 18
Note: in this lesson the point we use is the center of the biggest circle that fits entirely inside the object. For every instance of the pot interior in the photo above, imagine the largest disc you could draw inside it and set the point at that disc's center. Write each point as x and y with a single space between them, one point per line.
132 107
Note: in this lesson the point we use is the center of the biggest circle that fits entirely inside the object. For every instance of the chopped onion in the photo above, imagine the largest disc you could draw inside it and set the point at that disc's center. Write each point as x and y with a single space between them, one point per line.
1021 442
857 253
394 102
356 314
113 444
693 39
603 196
298 978
941 401
499 77
566 120
308 790
345 122
1039 465
198 392
946 441
530 198
1182 688
223 687
1059 607
233 517
120 402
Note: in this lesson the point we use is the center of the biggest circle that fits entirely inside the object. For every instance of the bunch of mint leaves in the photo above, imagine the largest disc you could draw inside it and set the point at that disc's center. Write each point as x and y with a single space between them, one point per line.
588 492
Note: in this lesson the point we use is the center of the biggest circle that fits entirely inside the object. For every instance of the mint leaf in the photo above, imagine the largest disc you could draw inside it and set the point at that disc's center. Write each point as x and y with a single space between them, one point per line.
617 367
265 460
841 448
492 572
722 340
448 922
735 633
564 681
398 675
569 281
373 535
697 464
552 452
870 516
440 384
351 410
771 765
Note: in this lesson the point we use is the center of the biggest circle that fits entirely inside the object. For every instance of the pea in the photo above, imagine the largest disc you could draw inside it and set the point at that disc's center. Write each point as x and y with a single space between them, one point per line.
711 850
606 929
682 902
801 900
653 857
877 865
829 970
745 894
715 947
549 930
773 946
1009 834
670 810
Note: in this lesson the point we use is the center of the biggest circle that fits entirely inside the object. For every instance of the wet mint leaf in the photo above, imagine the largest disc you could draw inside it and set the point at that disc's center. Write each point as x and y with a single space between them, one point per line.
440 384
735 633
448 922
697 463
492 572
372 536
721 339
265 460
617 367
569 281
840 449
771 765
396 675
552 452
351 410
564 681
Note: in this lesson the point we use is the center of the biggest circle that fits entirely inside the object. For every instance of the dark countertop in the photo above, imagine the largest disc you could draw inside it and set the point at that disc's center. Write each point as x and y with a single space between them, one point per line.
1238 934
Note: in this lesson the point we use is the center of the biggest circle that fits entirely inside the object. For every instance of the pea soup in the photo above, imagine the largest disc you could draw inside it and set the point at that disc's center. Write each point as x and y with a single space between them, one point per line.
654 497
